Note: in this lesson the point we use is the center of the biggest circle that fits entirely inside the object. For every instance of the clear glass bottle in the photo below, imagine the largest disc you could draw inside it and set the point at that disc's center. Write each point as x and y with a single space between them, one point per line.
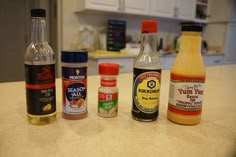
147 75
187 78
39 62
108 92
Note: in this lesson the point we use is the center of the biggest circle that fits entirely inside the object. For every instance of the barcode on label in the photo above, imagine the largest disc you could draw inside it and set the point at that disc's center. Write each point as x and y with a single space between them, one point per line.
171 93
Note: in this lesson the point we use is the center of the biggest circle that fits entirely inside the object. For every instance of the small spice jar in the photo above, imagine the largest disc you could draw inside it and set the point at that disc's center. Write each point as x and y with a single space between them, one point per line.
108 92
74 84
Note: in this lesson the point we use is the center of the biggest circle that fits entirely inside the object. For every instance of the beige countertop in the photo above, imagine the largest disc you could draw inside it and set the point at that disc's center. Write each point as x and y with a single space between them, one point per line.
122 136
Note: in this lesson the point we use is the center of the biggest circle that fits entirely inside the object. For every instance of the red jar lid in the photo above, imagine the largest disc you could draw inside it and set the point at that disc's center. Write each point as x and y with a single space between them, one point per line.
108 69
149 26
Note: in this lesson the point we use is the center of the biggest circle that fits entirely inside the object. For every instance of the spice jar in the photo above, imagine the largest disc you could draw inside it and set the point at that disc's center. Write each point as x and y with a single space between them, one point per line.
74 84
108 92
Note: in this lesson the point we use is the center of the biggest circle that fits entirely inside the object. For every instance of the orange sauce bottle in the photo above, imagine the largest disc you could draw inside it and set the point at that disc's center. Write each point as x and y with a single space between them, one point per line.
187 78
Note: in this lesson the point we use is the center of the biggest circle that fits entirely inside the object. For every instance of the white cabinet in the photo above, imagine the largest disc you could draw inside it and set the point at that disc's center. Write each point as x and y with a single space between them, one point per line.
123 6
180 9
102 5
162 8
136 6
185 9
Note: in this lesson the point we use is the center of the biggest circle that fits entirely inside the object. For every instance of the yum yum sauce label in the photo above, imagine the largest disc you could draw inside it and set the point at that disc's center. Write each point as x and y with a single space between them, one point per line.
146 91
74 83
186 94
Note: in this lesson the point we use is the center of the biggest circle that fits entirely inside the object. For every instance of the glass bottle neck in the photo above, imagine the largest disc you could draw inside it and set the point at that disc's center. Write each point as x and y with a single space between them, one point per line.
190 42
38 31
148 43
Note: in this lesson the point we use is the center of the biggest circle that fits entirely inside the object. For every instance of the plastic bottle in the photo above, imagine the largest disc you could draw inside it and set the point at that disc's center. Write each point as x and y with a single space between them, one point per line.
108 92
147 76
187 78
74 84
39 62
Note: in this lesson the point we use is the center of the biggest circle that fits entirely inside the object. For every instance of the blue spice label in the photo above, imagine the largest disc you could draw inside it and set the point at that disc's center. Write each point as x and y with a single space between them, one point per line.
74 90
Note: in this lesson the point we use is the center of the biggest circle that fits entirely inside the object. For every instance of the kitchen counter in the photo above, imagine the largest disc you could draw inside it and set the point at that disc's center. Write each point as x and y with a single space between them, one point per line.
93 55
122 136
125 60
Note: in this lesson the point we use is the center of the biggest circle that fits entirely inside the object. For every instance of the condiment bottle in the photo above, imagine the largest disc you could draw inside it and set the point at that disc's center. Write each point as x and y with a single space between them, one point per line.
147 76
108 92
74 84
187 78
39 62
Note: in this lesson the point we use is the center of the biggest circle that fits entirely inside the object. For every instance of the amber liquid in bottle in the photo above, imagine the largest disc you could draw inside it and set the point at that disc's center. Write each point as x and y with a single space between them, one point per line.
187 81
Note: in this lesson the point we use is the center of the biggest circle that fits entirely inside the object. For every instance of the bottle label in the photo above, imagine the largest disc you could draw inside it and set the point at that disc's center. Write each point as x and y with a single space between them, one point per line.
74 83
40 89
107 104
108 83
146 90
186 95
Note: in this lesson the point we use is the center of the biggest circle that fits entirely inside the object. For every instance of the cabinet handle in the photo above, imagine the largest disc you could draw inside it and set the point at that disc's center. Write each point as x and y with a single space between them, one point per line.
216 61
176 12
120 5
123 5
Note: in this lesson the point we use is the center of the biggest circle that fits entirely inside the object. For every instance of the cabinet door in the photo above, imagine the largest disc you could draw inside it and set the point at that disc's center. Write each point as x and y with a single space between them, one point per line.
230 46
104 5
136 6
211 60
185 9
233 12
163 8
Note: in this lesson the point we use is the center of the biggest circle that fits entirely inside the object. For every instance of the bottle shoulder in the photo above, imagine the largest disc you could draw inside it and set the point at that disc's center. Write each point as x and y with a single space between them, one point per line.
191 65
39 52
148 60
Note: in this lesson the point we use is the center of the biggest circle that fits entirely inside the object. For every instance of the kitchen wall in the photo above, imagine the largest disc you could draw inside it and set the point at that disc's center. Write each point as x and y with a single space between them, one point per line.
71 22
214 33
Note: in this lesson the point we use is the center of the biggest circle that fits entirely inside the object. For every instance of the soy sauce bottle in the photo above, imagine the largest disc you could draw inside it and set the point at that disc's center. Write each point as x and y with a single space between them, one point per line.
147 76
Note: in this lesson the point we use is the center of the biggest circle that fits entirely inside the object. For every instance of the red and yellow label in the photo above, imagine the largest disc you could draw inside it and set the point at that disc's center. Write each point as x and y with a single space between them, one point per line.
186 94
146 91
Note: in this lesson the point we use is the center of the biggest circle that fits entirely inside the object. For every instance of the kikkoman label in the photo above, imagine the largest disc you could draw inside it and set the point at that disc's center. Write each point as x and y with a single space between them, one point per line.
186 95
146 91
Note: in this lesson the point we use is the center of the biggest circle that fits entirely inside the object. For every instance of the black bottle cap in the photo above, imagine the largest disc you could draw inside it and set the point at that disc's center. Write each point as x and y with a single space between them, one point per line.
38 13
191 27
74 56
